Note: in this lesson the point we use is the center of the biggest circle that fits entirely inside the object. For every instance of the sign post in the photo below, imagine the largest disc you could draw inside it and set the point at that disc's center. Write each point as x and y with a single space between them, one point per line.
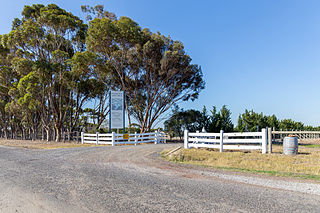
117 110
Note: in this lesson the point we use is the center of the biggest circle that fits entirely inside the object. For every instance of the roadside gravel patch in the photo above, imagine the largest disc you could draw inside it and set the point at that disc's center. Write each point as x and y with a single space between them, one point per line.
308 188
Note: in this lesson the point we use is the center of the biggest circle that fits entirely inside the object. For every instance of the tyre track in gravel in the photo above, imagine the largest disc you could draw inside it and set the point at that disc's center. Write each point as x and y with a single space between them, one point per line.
131 179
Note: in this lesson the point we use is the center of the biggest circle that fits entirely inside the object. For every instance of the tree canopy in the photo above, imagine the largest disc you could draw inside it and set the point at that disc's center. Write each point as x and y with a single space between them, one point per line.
53 65
249 121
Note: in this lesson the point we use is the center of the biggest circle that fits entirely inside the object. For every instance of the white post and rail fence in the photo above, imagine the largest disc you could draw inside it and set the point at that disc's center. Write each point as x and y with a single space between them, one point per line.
221 141
122 139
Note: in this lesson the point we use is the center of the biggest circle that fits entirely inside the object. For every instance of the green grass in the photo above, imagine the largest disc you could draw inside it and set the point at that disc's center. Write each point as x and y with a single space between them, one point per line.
311 145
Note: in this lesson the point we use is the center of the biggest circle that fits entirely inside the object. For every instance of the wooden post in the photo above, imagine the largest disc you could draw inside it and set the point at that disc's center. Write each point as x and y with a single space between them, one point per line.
264 141
113 135
221 140
97 136
186 139
270 140
82 137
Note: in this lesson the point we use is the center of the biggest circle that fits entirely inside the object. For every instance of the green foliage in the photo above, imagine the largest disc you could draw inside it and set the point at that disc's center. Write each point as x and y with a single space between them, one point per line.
153 70
220 120
194 120
52 64
252 121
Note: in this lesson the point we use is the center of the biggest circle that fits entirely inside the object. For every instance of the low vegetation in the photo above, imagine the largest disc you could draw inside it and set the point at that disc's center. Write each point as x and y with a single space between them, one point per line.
38 144
305 165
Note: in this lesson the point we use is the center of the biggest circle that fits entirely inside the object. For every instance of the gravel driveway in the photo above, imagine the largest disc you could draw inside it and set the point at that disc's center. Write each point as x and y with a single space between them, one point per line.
135 179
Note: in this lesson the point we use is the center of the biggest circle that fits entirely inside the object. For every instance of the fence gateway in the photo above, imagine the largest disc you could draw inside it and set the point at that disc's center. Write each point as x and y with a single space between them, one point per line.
119 139
234 140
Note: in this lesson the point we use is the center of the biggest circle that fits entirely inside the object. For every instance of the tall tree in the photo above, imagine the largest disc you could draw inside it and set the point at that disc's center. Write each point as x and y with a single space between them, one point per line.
153 70
6 81
49 36
225 122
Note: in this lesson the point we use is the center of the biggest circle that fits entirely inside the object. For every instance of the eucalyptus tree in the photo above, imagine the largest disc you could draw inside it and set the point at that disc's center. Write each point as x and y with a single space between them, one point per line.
166 77
112 40
152 69
89 84
6 81
49 36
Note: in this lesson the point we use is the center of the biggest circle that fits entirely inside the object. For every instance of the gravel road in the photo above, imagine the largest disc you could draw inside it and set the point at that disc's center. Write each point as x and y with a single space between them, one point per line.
135 179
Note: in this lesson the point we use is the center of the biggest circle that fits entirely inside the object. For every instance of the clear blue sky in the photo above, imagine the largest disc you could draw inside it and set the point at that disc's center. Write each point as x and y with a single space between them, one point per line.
255 54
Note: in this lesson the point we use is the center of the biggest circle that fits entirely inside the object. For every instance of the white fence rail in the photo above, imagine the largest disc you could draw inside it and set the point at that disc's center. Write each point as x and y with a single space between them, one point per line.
237 140
119 139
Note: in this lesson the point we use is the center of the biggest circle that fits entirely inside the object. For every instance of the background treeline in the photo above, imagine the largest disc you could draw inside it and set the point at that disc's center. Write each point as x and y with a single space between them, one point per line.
214 121
56 71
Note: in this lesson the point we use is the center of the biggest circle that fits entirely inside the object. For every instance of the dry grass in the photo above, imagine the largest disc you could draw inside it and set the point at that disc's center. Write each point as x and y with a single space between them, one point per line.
305 164
42 144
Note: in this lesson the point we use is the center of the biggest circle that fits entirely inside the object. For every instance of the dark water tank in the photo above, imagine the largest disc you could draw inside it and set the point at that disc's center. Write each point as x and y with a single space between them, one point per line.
290 145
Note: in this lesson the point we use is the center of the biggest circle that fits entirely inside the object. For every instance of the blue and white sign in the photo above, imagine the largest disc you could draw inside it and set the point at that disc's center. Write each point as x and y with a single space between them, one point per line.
117 109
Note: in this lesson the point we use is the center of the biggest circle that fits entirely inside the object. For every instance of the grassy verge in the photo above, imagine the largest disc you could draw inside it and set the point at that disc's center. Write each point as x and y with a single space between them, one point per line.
43 144
304 165
312 145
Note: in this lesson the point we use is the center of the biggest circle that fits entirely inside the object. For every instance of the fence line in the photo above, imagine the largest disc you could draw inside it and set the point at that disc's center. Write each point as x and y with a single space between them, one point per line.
121 139
235 140
42 135
279 135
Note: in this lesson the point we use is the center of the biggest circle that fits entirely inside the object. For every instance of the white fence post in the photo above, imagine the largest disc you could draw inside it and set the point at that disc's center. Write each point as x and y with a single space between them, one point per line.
264 141
113 135
156 137
197 141
82 137
97 136
221 140
186 139
135 138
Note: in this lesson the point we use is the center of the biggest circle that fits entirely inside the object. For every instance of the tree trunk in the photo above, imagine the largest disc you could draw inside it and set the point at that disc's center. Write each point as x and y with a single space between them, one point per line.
69 134
32 134
48 134
54 134
128 114
58 133
23 137
63 136
29 133
6 133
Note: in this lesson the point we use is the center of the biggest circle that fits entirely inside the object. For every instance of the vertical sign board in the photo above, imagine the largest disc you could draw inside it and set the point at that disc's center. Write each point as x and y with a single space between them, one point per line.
116 101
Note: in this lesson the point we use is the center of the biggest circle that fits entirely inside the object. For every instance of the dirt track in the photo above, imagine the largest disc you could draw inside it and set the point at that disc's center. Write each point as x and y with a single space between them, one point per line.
130 179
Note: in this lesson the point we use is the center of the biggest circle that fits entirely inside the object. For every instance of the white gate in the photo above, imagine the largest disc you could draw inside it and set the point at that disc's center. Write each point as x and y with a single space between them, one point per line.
234 140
